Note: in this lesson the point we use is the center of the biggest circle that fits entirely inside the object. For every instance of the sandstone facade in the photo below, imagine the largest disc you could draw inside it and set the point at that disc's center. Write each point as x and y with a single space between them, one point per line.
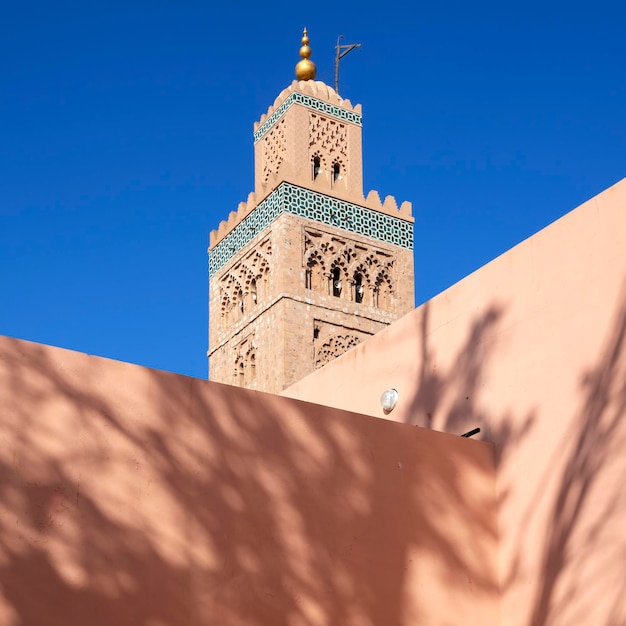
308 267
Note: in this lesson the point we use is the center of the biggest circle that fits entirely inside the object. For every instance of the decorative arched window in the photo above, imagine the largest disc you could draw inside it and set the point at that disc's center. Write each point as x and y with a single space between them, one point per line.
242 378
336 282
237 306
359 288
252 363
314 273
335 346
336 172
317 167
383 292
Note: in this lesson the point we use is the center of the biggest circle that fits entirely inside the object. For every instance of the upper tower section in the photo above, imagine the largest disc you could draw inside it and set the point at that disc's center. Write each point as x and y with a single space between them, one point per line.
307 267
310 137
309 143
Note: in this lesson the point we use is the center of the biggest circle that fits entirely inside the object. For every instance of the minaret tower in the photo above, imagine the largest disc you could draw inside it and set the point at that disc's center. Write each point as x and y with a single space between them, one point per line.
308 267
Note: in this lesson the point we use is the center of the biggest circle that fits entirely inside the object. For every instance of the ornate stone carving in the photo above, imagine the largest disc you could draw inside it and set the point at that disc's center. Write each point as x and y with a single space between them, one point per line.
348 269
274 150
244 372
245 285
334 347
328 138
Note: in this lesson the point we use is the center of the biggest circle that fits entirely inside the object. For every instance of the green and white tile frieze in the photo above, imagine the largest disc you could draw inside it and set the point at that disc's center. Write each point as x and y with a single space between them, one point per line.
288 198
313 103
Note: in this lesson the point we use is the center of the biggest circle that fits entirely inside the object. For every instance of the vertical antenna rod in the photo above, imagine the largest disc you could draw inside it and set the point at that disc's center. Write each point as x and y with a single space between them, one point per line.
340 52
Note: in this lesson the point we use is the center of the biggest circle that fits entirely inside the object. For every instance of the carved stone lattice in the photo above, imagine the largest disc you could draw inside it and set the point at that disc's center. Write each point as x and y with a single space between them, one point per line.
334 347
245 285
244 372
274 150
328 137
348 270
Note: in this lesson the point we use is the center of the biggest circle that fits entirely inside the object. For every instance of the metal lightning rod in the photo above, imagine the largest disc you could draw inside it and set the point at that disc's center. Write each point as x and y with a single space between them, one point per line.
340 52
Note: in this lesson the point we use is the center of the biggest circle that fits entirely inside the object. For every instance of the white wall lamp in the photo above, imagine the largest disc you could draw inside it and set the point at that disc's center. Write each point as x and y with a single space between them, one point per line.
388 400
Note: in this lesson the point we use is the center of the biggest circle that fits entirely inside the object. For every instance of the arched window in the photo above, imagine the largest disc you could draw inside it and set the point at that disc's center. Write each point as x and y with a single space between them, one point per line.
336 172
314 274
252 367
238 304
383 292
336 282
317 167
253 293
359 288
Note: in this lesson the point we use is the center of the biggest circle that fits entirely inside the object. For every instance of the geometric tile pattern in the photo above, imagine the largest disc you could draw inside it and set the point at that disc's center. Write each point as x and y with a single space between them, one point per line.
313 103
288 198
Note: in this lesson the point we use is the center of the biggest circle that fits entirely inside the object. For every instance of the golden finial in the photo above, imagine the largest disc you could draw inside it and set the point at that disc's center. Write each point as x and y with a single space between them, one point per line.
305 69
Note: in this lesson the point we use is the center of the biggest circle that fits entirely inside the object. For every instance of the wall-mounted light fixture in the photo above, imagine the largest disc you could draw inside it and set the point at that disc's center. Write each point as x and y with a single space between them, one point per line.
388 400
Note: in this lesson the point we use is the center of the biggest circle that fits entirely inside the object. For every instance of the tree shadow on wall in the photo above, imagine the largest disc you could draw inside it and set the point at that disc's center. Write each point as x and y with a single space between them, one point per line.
583 556
581 570
135 497
449 399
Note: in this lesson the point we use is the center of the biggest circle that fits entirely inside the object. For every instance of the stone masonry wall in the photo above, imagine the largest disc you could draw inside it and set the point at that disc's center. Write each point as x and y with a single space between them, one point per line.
293 324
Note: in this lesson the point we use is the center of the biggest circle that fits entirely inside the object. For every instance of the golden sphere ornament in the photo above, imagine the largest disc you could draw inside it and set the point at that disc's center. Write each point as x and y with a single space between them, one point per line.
305 69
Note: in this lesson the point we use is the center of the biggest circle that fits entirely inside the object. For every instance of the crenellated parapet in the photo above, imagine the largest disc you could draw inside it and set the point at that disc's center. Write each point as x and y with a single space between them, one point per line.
389 207
310 140
382 221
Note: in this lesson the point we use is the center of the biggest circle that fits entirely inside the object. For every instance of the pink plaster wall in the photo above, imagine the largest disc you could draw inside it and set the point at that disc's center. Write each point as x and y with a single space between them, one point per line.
132 497
531 348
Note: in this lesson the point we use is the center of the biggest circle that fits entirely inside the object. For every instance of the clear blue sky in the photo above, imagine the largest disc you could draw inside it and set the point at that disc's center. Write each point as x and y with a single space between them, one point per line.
126 136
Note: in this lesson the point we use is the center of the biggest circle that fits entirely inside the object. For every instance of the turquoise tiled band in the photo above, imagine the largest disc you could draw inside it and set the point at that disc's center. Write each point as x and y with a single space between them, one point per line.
288 198
312 103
